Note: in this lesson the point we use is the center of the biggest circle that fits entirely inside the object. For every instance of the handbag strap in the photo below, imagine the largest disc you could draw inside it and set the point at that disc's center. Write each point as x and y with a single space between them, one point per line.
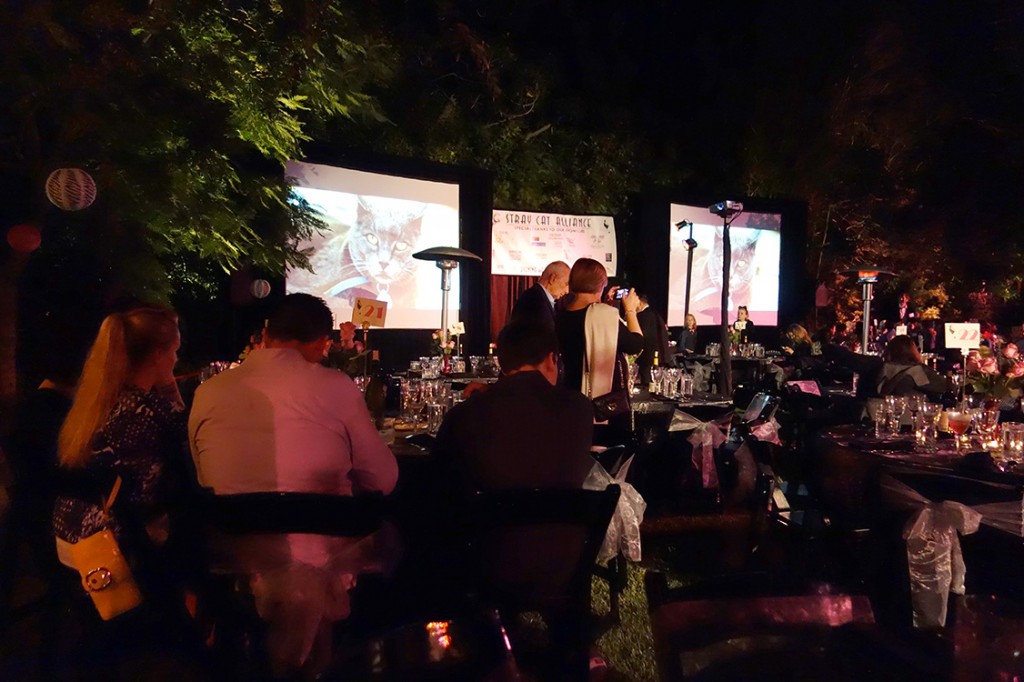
114 489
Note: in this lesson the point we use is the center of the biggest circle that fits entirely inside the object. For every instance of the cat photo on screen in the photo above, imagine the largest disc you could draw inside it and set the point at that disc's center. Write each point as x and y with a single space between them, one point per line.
373 223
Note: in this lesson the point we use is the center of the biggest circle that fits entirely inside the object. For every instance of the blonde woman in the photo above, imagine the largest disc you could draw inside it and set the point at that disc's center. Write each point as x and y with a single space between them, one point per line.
687 342
126 418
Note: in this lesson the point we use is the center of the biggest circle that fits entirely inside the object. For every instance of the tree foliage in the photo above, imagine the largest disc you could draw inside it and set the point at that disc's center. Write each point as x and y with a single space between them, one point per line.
184 112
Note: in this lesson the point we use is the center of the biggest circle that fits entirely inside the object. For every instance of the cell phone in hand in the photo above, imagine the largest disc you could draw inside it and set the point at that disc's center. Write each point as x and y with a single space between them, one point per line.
622 293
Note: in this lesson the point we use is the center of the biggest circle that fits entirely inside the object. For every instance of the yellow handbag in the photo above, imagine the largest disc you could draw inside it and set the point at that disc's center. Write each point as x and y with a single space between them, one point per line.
106 576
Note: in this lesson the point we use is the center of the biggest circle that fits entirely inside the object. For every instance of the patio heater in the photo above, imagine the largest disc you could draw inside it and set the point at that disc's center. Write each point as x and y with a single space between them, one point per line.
867 276
447 258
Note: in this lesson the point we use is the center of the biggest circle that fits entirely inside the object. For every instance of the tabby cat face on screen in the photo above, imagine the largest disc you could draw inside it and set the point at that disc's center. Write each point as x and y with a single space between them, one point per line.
380 244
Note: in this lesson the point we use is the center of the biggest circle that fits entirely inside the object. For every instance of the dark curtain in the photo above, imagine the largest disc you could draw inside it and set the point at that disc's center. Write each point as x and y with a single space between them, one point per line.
505 290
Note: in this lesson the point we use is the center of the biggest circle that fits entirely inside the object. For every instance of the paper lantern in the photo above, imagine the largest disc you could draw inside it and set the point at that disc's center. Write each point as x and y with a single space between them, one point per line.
71 189
24 238
260 288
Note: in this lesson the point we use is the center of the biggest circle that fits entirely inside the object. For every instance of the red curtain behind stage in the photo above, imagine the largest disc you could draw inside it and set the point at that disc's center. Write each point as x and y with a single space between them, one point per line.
505 291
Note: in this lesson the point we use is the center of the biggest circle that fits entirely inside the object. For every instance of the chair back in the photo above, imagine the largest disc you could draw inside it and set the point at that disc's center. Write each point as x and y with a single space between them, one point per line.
277 512
555 534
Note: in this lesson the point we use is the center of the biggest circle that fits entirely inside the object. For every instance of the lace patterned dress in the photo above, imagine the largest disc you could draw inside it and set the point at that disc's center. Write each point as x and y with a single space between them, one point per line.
140 441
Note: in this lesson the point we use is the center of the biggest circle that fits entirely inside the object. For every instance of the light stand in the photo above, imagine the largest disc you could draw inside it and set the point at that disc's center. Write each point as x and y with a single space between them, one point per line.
447 258
691 245
728 210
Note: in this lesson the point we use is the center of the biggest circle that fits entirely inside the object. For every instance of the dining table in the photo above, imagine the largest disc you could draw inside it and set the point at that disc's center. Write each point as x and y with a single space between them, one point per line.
883 487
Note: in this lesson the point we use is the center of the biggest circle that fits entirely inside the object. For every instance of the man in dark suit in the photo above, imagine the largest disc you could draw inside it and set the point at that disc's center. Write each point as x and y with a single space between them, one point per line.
536 305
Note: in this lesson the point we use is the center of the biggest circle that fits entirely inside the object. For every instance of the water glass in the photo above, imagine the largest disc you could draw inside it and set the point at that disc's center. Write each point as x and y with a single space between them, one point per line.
475 362
435 415
634 378
685 385
881 418
1013 441
458 365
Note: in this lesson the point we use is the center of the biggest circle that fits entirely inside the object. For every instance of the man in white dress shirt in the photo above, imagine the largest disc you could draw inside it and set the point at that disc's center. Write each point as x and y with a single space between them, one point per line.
281 422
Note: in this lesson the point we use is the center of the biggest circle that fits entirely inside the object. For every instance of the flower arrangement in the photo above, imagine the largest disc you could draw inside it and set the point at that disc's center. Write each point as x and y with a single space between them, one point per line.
438 346
997 373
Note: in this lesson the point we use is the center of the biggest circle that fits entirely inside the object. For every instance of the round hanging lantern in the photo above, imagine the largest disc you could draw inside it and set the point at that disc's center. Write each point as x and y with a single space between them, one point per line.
71 189
24 238
260 288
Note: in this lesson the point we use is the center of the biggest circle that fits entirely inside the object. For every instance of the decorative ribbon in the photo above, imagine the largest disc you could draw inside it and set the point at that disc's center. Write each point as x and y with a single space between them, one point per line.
705 437
934 557
767 431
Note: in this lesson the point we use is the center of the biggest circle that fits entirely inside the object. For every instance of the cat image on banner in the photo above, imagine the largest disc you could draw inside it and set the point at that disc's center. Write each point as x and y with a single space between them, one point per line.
366 252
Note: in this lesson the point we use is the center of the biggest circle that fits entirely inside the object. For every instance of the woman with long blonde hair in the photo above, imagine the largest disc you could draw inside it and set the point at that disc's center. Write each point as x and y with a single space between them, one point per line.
126 420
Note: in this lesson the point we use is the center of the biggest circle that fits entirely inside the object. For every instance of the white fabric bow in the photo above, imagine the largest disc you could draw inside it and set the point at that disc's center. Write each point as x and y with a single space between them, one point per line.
934 557
705 437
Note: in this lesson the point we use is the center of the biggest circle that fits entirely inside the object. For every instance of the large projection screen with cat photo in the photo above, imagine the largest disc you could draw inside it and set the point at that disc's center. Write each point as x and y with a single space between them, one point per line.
754 274
375 222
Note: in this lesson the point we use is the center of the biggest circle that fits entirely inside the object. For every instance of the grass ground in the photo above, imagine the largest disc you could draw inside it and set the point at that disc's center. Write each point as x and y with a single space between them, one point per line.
628 647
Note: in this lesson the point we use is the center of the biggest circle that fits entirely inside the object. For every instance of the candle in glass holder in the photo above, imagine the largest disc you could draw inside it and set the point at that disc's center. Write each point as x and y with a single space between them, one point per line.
1013 441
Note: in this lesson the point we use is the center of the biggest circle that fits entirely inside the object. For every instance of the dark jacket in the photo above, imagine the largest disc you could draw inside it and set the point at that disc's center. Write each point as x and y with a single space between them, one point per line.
521 433
534 307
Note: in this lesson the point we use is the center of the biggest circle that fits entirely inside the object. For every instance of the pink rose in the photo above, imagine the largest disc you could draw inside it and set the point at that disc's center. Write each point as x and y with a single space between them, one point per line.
988 365
1016 371
1011 351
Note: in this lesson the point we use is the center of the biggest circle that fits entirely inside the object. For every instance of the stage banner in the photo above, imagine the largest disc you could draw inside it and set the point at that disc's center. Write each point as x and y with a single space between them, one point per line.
523 243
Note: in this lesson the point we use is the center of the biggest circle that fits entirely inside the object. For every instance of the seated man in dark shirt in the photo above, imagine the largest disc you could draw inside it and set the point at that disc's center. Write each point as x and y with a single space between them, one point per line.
523 432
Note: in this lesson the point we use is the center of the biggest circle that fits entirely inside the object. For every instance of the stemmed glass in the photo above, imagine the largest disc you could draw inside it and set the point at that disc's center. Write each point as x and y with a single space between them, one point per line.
925 426
959 422
670 382
656 373
896 405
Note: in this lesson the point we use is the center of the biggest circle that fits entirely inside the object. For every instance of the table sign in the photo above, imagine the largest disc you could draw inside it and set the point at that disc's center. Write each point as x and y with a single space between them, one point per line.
901 330
457 329
369 312
963 335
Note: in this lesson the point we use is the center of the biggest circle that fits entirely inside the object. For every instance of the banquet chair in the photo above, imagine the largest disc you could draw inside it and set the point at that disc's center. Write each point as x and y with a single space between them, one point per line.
239 634
535 550
987 552
752 630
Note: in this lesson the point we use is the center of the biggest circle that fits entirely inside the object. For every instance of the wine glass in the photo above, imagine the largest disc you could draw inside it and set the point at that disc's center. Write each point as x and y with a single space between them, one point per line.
656 373
896 405
959 422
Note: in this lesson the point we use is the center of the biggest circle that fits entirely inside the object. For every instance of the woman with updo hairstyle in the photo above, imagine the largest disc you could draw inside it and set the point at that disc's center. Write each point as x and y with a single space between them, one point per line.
127 420
904 371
